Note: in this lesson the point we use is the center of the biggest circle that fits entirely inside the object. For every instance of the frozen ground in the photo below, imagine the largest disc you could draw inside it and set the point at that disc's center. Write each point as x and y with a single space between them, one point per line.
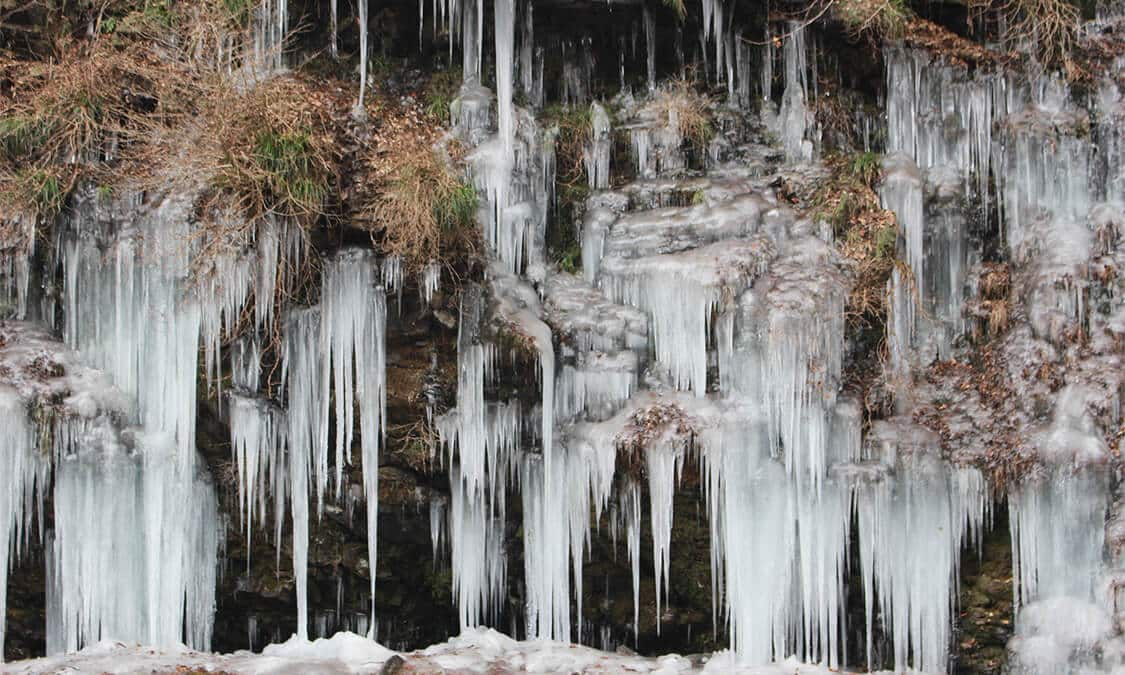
480 650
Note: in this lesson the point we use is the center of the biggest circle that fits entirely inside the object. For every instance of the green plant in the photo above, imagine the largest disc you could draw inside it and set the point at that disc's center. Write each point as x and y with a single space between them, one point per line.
439 93
571 261
575 129
885 240
239 11
455 205
38 191
291 173
677 6
865 168
22 136
698 197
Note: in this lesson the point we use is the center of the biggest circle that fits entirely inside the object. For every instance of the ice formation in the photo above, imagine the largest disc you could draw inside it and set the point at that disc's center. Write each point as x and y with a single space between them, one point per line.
704 335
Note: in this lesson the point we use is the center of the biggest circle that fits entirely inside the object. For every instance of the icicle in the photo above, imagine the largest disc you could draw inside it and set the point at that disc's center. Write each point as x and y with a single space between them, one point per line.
271 23
664 461
135 550
437 528
18 473
354 330
794 121
911 530
258 432
650 47
362 18
505 37
431 281
596 154
306 384
478 562
631 511
333 50
546 543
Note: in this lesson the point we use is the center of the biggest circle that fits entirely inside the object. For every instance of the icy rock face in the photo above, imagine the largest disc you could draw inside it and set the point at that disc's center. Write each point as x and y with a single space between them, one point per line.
926 307
782 347
1052 161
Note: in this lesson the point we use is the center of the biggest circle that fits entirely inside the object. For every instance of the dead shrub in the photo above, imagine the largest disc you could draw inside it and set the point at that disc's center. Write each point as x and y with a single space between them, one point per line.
1048 29
414 204
271 151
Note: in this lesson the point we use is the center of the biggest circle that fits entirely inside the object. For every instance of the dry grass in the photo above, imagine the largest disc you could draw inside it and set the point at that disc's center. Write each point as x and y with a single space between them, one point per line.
68 118
413 201
991 314
679 99
865 233
575 130
272 150
940 40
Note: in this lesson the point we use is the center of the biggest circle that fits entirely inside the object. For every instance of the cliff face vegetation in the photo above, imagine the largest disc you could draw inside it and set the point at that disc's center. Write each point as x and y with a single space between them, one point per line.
664 327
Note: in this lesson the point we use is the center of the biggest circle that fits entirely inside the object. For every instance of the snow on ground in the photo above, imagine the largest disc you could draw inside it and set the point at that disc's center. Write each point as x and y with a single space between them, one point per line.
476 650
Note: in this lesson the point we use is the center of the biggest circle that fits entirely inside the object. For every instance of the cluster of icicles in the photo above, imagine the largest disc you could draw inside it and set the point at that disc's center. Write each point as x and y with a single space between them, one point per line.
133 553
783 461
134 550
749 289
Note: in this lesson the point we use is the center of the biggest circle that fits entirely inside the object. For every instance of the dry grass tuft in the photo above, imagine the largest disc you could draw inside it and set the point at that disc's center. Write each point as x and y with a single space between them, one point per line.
679 100
865 233
272 150
575 130
68 118
413 202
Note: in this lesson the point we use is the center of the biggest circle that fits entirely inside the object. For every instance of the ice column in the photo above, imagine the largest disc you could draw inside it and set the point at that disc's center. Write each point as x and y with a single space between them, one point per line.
18 473
136 545
354 334
596 154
